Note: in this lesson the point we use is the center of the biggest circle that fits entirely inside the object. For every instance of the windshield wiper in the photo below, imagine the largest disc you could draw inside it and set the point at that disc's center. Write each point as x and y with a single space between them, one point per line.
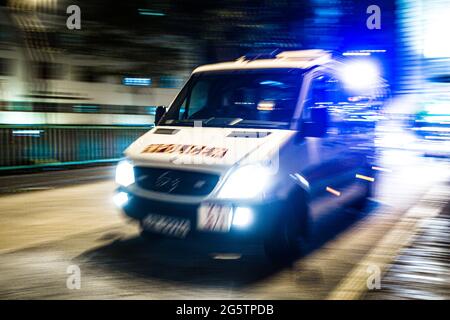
227 122
210 122
262 124
213 121
183 122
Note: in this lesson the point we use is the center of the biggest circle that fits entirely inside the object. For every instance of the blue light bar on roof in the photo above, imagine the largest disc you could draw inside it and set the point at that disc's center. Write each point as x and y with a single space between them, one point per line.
356 54
366 52
141 82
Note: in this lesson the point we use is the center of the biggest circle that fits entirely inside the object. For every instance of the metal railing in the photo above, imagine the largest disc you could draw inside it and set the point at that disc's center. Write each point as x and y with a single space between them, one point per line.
41 145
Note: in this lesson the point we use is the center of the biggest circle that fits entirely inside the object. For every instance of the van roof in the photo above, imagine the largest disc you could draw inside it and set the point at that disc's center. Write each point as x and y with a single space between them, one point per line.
300 59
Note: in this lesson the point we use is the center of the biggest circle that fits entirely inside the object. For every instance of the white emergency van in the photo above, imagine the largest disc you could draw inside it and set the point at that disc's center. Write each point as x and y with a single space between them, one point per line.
254 150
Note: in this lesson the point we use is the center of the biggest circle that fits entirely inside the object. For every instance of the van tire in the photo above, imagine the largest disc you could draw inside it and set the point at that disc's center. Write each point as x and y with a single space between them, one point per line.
287 238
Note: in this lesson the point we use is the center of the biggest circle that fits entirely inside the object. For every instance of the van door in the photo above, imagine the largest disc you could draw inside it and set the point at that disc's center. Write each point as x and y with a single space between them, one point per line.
332 176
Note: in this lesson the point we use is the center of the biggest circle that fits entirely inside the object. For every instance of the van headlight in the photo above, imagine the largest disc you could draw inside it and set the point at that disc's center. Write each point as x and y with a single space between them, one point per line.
124 173
245 182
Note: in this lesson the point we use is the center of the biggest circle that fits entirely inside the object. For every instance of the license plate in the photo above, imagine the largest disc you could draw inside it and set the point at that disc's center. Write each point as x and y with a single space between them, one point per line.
171 226
214 217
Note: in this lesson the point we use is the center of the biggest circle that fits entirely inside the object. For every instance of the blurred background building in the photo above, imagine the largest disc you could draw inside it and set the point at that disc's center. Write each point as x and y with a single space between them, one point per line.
81 96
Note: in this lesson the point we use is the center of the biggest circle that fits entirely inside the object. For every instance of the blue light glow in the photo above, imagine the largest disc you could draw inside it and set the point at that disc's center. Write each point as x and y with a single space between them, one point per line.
356 54
27 133
360 75
147 12
271 83
142 82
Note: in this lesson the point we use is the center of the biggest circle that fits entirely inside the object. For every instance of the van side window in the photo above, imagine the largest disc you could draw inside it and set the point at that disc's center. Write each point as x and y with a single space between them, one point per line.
323 92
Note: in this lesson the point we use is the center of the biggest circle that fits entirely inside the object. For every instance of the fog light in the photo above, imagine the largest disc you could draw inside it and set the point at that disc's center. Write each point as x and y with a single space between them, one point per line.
120 199
242 217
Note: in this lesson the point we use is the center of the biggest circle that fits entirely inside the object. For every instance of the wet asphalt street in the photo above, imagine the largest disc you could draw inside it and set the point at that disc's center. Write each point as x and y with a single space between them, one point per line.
422 268
403 233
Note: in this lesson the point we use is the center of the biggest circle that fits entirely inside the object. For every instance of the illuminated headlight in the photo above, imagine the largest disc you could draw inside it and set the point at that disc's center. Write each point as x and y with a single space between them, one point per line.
124 173
245 182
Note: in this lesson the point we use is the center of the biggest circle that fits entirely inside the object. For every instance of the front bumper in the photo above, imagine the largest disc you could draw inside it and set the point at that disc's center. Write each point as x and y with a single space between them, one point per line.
264 214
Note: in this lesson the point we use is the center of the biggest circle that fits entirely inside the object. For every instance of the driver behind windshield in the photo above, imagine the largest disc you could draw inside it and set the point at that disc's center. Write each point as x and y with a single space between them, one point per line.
251 96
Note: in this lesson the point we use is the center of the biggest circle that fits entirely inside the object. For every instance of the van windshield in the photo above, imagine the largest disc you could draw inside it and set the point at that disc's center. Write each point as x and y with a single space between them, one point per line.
238 98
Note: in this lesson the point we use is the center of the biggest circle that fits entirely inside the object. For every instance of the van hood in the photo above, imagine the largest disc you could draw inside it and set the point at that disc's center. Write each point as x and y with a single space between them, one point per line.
205 148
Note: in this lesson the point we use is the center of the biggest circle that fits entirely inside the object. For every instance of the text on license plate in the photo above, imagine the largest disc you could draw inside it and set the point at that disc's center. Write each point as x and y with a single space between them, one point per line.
177 227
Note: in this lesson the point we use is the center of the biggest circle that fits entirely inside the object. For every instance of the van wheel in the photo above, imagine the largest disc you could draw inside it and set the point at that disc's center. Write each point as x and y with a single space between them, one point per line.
288 237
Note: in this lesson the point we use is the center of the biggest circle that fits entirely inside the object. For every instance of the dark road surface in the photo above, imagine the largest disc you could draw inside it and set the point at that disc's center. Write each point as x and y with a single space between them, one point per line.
422 269
45 231
51 179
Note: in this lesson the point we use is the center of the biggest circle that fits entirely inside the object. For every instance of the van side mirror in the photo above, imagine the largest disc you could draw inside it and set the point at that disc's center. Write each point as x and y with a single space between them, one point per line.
317 126
160 111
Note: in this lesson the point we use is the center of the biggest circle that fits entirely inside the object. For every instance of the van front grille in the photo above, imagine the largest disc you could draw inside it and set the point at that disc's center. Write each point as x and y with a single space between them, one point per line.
179 182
